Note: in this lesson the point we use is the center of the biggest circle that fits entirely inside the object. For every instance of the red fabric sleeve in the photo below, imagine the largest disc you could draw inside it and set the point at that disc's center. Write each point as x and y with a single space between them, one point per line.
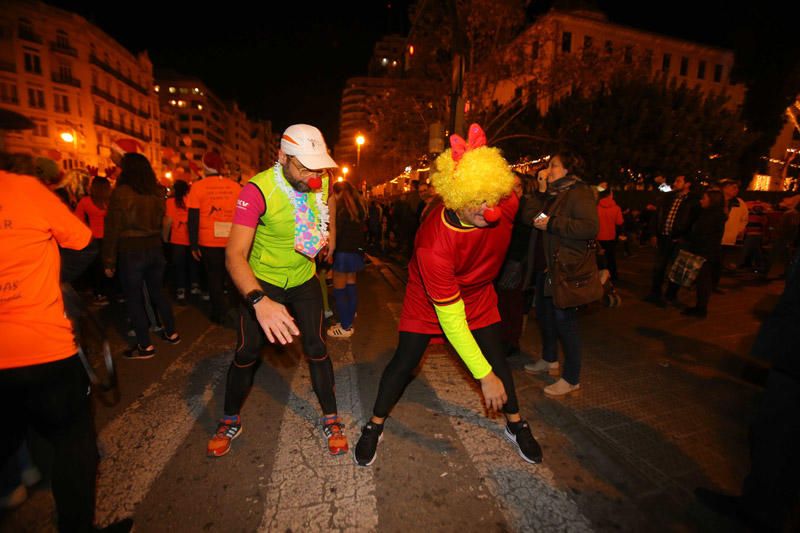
250 206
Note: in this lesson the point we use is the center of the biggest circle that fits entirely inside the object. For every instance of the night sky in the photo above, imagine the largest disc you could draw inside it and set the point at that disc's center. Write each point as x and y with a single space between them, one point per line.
287 61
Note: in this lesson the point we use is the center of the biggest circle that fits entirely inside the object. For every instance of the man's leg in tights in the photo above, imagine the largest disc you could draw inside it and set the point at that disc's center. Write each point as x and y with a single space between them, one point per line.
399 372
249 341
305 303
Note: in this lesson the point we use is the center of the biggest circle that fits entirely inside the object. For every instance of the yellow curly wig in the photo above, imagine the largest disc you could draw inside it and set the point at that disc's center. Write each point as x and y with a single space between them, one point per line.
482 175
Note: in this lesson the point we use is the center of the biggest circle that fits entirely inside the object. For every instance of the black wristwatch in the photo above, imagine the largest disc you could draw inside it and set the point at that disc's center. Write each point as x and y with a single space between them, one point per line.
253 297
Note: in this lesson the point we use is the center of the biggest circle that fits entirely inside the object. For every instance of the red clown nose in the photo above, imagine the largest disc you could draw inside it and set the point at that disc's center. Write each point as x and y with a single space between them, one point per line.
491 214
315 182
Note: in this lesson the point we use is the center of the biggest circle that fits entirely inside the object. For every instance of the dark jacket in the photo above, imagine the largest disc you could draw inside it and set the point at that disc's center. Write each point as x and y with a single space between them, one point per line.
571 206
683 218
705 236
133 222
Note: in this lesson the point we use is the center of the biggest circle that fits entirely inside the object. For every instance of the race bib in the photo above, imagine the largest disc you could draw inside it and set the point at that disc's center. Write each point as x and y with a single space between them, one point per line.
222 230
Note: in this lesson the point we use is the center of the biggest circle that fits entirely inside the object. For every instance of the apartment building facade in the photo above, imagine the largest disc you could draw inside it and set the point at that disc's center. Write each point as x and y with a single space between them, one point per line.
82 89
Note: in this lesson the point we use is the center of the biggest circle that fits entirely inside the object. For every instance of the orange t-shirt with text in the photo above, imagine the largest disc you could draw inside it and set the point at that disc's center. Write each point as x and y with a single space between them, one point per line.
215 197
179 232
33 223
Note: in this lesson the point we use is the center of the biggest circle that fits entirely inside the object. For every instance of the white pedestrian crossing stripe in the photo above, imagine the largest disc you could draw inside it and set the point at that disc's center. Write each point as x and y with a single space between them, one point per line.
309 489
137 445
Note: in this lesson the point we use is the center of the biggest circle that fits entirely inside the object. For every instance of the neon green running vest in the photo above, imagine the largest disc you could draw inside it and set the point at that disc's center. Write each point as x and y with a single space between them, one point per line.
273 258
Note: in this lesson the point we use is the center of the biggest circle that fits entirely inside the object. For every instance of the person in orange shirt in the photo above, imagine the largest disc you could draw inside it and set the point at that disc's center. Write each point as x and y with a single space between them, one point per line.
212 203
176 233
92 211
42 381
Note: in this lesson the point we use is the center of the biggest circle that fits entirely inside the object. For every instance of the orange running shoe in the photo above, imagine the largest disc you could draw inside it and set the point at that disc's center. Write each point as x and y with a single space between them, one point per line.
333 429
228 429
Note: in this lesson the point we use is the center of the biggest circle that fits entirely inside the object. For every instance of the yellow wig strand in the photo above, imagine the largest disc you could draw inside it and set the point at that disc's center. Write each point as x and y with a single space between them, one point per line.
482 175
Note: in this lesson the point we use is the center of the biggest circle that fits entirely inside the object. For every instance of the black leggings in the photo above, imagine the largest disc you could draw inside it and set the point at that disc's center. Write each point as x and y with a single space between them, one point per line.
305 304
410 349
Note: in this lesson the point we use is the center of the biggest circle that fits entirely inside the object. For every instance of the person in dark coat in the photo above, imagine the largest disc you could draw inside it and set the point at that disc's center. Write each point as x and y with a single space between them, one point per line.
669 224
770 497
704 239
568 221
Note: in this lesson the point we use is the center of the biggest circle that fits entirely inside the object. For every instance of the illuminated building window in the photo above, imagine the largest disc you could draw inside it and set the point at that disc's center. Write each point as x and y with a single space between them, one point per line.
157 88
172 90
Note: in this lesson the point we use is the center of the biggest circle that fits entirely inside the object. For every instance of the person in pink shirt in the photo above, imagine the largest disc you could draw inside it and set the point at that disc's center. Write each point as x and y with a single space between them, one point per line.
91 210
610 216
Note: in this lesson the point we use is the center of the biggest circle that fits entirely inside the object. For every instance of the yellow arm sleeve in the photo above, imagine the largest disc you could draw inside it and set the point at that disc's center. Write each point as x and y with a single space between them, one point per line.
453 319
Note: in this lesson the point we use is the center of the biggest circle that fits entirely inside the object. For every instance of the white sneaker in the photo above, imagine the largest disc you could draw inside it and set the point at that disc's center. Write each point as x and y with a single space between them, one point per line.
561 388
337 331
541 366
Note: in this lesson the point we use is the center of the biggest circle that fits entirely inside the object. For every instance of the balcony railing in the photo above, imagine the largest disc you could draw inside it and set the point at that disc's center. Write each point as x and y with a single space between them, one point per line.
66 80
126 105
28 34
114 72
63 48
118 127
101 93
144 114
8 66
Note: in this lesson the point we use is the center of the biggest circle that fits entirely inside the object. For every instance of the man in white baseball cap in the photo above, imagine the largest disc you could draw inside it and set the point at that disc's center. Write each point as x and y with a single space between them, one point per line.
280 225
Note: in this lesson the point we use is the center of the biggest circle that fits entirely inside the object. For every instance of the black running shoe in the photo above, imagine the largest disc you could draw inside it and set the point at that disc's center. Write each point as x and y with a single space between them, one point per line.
522 438
366 450
139 352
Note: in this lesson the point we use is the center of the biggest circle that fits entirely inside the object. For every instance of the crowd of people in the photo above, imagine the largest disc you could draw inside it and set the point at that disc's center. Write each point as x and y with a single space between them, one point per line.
482 254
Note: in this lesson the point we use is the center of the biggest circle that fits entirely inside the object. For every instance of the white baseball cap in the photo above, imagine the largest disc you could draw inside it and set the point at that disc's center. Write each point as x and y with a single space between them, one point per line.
307 144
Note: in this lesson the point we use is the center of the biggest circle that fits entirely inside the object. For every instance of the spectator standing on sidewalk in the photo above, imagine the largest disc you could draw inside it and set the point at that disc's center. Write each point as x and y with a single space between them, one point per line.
211 204
91 211
770 498
738 214
280 226
42 381
132 244
752 246
346 251
176 233
568 221
671 221
610 218
704 239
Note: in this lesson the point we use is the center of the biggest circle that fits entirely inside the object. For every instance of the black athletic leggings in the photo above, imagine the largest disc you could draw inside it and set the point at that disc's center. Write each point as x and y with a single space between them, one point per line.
305 305
411 347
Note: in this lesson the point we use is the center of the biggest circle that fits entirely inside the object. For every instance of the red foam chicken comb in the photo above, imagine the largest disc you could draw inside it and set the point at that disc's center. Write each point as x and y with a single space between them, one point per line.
475 139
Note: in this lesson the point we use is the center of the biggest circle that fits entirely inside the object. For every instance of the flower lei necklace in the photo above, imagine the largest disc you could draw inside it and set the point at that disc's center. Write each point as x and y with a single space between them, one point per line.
310 229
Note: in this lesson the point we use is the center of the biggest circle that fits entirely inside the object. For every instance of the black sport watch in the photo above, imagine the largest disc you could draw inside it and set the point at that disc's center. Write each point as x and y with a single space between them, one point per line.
253 297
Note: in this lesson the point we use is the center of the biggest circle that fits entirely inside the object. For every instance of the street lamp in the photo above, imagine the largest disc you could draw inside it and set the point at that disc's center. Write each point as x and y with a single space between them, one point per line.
345 170
359 141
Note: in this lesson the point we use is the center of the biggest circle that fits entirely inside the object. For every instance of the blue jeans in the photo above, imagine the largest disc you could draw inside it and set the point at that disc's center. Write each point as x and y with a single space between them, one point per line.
137 268
558 324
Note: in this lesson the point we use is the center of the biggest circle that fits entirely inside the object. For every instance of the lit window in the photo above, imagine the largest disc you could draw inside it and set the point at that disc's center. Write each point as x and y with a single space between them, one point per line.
181 103
384 61
172 90
172 102
157 88
200 107
196 90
